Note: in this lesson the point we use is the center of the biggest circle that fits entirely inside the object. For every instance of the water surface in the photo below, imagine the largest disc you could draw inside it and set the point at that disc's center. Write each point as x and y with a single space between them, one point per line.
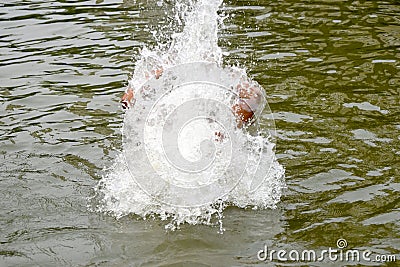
331 70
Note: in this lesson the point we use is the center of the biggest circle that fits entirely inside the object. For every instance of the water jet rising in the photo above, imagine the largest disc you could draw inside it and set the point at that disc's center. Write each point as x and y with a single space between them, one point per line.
193 143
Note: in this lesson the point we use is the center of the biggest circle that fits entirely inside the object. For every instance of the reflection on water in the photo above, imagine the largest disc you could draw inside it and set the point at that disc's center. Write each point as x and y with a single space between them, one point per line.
331 71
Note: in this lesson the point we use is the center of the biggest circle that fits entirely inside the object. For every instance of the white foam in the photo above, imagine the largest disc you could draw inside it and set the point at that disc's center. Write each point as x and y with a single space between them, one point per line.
119 194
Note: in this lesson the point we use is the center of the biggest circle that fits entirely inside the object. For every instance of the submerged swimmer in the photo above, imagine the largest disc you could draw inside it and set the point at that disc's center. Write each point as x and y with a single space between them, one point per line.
244 108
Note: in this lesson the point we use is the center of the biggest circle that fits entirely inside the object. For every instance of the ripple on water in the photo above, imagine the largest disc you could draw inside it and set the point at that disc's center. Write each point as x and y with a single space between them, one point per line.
76 55
366 194
332 180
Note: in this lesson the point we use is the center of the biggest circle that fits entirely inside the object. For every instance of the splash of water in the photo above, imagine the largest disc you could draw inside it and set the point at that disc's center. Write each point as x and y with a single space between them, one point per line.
120 194
198 40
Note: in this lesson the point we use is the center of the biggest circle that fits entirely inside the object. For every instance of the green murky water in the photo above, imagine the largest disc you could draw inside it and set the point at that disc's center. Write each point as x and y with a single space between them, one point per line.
332 74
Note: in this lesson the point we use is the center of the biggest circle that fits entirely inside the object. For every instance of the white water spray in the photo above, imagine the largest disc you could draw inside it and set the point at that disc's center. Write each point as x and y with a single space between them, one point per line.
148 181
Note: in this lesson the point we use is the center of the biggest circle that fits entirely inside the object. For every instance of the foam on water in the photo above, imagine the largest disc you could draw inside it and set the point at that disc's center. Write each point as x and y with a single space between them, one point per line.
119 194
